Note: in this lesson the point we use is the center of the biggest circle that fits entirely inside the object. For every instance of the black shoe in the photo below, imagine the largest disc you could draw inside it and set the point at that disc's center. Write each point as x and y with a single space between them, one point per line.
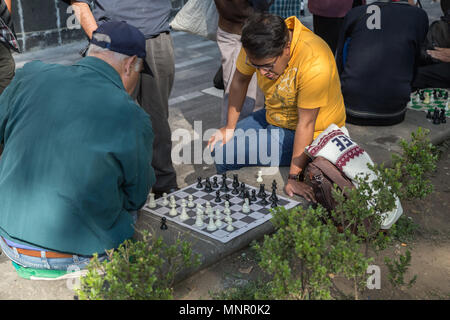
158 194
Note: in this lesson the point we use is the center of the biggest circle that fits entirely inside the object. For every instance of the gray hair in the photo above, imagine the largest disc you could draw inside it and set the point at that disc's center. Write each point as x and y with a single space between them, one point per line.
116 56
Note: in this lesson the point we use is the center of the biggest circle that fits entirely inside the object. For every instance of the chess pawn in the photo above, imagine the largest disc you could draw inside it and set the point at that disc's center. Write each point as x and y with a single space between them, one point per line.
227 208
152 202
230 226
427 98
165 202
218 219
172 199
246 206
199 220
211 226
184 216
259 179
191 203
228 218
173 212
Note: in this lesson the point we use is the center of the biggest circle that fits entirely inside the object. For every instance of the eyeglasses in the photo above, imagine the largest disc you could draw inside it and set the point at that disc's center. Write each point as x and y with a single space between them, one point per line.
267 67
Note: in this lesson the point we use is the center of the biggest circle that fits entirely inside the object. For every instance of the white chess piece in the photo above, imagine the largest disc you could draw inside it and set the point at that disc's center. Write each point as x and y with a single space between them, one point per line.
211 225
165 202
191 203
230 227
259 179
184 216
199 220
172 199
246 206
199 209
227 208
427 98
228 217
173 212
218 219
152 202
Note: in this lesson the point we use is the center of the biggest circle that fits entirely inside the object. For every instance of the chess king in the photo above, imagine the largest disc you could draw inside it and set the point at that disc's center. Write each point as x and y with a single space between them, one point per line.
297 72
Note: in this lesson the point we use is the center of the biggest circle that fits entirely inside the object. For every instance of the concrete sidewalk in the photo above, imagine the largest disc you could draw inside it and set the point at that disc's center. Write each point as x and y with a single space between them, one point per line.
195 99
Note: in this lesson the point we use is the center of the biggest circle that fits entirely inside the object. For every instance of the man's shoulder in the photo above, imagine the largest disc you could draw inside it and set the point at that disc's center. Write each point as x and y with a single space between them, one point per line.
34 67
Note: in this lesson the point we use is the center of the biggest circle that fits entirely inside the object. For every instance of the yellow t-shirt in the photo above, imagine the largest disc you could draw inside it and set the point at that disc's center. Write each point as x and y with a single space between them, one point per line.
310 81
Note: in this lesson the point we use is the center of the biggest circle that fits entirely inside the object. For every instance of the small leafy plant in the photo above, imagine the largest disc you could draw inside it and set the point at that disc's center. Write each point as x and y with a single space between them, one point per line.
397 270
137 270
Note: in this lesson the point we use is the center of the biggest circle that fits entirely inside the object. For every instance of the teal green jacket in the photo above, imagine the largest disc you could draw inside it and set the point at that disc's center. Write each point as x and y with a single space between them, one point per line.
76 160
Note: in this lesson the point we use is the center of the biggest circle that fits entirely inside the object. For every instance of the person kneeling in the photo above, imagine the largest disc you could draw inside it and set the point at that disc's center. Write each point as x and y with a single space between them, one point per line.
298 75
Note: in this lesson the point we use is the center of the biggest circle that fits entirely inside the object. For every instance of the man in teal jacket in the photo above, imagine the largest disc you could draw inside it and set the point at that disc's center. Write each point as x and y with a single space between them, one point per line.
77 157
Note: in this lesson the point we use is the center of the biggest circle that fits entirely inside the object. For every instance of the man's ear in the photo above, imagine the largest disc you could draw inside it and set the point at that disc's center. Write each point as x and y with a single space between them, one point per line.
287 49
129 65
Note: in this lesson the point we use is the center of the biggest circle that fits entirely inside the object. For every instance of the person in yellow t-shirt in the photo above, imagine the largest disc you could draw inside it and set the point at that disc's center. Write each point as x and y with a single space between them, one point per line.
298 75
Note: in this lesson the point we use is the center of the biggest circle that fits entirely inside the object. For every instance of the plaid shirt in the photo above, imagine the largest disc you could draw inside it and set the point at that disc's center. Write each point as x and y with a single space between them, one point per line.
6 33
286 8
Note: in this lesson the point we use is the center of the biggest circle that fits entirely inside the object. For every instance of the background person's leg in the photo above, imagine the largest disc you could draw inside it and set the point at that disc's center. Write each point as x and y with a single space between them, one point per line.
229 47
328 29
153 96
7 67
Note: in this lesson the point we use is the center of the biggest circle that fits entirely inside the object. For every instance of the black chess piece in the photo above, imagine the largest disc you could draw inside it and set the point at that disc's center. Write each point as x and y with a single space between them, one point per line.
242 193
199 184
208 186
163 223
429 116
247 196
421 95
215 184
262 192
235 190
224 186
435 94
274 203
253 197
264 201
274 184
442 116
436 119
227 197
217 200
235 181
273 196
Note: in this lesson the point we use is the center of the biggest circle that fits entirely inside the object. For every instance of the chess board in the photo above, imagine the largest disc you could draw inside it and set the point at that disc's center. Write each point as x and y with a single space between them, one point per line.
242 222
416 103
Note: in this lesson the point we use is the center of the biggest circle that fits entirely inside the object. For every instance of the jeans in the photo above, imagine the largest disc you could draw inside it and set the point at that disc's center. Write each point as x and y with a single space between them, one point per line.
255 143
46 263
52 263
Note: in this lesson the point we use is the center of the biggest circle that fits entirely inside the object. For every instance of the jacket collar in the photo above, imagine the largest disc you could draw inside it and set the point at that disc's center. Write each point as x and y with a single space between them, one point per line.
102 67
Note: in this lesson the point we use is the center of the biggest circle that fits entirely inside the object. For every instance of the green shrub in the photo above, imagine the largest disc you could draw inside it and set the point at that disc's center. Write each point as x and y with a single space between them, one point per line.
137 270
304 254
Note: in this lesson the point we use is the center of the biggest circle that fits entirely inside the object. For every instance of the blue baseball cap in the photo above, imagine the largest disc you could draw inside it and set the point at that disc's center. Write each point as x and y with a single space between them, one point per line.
119 36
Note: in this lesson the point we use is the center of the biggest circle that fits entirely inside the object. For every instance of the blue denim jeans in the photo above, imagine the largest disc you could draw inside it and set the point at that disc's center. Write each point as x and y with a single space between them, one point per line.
52 263
255 143
46 263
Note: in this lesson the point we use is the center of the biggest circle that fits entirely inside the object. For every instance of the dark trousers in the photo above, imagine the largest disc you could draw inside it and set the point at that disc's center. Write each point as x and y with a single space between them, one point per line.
328 29
152 94
7 66
432 76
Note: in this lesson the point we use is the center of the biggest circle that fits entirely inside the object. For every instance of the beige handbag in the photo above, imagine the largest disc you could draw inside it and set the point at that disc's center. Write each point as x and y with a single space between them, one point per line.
198 17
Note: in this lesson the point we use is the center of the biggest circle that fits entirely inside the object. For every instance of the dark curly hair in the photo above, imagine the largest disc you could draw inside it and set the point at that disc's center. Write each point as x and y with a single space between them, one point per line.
264 35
